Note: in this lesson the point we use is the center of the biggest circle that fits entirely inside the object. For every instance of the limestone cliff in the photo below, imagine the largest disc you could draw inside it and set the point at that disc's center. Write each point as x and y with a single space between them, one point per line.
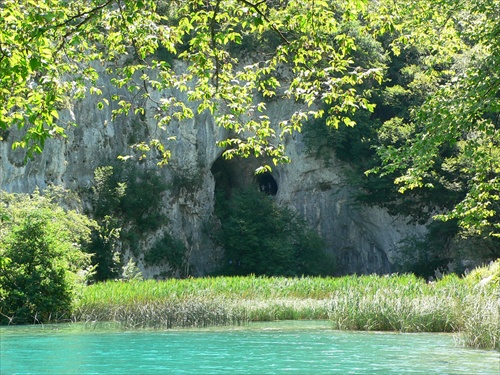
363 239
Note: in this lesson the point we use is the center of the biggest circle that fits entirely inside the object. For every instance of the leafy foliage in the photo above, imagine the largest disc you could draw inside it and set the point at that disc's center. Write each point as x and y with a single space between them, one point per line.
263 239
127 204
168 250
105 249
42 258
435 128
131 192
47 55
405 87
461 115
434 131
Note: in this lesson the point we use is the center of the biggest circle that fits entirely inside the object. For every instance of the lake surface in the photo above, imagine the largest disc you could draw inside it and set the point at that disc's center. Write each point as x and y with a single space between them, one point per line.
265 348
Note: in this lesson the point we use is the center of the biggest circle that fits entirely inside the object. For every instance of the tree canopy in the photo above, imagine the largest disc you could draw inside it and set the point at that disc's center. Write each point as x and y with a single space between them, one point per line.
49 52
456 131
42 263
239 54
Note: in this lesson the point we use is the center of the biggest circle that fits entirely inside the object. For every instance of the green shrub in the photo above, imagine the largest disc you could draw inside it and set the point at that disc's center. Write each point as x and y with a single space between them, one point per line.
127 201
130 193
263 239
42 258
489 274
104 249
167 250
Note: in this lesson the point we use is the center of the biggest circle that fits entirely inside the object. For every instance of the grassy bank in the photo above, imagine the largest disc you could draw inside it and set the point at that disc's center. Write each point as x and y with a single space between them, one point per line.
396 303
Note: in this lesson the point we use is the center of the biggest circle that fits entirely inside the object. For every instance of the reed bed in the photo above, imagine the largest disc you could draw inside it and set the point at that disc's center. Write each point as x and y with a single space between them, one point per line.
481 322
384 303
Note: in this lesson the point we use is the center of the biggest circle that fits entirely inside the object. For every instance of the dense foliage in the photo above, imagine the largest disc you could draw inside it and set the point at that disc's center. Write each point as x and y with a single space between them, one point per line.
127 205
42 261
418 78
454 138
437 111
434 131
263 239
48 50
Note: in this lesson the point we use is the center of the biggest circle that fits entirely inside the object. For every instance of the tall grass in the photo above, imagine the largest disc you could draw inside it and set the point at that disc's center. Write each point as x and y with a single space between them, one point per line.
203 302
397 303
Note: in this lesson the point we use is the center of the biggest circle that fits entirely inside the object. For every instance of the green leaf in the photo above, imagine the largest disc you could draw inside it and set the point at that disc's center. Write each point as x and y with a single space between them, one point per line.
257 21
35 63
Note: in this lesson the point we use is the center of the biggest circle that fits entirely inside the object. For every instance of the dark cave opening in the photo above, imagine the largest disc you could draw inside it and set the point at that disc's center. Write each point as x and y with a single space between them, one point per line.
240 174
267 184
223 176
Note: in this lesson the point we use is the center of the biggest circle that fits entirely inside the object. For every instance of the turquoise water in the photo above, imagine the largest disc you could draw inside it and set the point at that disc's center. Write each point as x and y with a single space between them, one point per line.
272 348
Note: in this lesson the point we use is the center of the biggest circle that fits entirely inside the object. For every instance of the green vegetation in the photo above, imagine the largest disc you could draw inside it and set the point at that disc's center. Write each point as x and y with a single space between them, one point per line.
416 66
455 136
42 262
419 79
431 143
391 303
127 205
131 193
263 239
171 251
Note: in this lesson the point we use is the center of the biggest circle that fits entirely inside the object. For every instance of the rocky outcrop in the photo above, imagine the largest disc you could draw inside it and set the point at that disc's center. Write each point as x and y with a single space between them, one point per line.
363 239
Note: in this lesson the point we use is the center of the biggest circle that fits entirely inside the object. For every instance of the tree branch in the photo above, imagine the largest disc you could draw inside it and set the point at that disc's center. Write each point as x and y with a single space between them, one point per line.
88 16
214 46
83 14
255 6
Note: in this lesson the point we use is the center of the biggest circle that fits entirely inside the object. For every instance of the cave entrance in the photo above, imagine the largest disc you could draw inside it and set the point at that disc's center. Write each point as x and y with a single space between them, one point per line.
240 174
224 177
267 184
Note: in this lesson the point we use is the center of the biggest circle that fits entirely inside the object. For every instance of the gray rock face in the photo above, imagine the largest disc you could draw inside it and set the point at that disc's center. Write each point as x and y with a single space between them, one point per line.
363 239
